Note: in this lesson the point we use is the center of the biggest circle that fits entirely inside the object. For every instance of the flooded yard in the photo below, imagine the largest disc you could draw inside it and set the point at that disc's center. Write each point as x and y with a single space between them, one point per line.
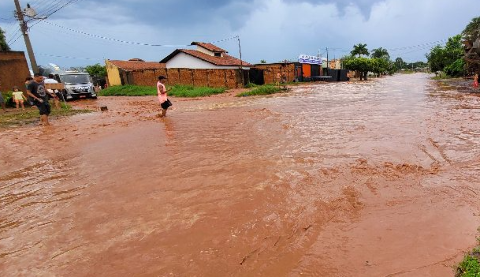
375 178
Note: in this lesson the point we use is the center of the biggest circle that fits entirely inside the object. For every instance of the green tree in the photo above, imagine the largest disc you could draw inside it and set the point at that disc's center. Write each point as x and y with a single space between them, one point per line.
380 53
263 61
359 49
382 66
96 70
3 42
472 30
361 64
435 58
448 58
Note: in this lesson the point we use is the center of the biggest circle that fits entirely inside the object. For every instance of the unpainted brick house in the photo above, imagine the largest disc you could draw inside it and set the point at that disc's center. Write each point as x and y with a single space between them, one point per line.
208 66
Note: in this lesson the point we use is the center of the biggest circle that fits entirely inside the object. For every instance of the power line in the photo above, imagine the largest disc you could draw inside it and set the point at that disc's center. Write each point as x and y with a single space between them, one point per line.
50 6
19 35
61 7
113 39
223 40
13 36
54 11
69 57
416 46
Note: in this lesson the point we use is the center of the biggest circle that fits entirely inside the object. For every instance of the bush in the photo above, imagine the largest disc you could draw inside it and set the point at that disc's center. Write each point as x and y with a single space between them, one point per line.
455 69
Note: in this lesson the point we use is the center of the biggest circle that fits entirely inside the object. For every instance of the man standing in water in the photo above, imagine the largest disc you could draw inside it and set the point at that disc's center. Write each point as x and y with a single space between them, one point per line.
162 96
36 90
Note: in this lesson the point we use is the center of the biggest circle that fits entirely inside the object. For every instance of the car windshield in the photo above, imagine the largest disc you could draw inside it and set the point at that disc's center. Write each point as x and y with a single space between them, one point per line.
75 79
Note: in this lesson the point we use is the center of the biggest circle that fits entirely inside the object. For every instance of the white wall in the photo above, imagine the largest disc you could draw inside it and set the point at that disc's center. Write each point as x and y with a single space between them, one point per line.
182 60
205 51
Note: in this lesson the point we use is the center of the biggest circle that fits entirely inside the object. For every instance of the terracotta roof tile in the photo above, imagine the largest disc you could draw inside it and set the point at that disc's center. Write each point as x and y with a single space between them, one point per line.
226 60
209 46
137 65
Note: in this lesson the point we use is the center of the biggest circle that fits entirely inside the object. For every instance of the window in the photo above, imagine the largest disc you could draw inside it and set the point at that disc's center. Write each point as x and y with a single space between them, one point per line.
218 54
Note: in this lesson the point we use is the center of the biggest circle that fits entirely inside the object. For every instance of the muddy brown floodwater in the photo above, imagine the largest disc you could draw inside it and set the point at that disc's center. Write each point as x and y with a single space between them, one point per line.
347 179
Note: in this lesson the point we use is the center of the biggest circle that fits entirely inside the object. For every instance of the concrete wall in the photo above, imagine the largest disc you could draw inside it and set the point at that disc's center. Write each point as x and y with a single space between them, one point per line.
182 60
13 70
113 74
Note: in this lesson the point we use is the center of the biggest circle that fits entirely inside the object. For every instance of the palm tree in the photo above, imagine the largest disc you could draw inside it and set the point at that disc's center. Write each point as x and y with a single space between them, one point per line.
400 63
472 31
359 49
380 53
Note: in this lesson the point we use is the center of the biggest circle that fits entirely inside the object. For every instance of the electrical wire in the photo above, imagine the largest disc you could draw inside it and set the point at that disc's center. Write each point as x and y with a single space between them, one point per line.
13 36
113 39
49 7
226 39
68 57
11 43
416 46
54 11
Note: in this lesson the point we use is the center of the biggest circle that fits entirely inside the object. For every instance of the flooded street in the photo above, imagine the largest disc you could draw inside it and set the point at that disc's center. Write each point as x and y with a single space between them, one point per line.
342 179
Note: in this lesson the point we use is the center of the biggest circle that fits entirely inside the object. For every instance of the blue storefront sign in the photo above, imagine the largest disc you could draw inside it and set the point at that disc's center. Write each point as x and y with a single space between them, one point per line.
309 59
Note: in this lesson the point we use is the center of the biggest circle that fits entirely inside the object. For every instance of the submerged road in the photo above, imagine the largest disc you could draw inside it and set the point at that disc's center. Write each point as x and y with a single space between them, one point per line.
378 178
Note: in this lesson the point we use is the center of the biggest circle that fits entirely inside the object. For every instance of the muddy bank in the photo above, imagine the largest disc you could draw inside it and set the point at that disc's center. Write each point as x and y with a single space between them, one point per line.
351 179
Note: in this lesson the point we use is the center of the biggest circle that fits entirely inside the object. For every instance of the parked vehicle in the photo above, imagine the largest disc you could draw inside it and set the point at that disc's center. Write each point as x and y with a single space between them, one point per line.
77 85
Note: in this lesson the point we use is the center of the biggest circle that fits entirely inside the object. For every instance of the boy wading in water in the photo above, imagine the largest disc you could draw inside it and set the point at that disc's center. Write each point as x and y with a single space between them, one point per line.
36 89
162 96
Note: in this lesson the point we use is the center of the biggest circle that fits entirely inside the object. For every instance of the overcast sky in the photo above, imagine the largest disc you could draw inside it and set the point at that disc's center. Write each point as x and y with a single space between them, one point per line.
89 31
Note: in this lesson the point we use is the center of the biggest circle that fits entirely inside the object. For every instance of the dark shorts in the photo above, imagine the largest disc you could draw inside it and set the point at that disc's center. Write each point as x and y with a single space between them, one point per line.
44 107
166 104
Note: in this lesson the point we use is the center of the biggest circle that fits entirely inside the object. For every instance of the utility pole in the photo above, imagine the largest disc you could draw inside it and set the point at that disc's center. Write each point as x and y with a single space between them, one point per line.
24 29
241 62
328 65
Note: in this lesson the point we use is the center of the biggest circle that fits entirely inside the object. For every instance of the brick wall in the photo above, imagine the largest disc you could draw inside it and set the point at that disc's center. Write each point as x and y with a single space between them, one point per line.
13 70
271 70
228 78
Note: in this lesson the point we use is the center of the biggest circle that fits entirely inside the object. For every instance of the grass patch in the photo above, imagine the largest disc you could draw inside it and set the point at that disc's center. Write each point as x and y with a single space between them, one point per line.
470 266
177 90
128 91
442 76
261 90
251 85
191 91
31 115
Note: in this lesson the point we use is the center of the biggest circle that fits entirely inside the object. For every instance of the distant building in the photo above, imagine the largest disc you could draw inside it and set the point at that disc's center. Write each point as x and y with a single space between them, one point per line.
206 56
117 70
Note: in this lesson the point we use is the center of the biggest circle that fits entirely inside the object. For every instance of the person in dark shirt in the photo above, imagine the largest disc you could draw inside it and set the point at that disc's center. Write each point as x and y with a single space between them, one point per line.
36 89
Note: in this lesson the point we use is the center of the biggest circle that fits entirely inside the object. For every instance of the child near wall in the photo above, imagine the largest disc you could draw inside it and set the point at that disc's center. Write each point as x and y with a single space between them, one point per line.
18 97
